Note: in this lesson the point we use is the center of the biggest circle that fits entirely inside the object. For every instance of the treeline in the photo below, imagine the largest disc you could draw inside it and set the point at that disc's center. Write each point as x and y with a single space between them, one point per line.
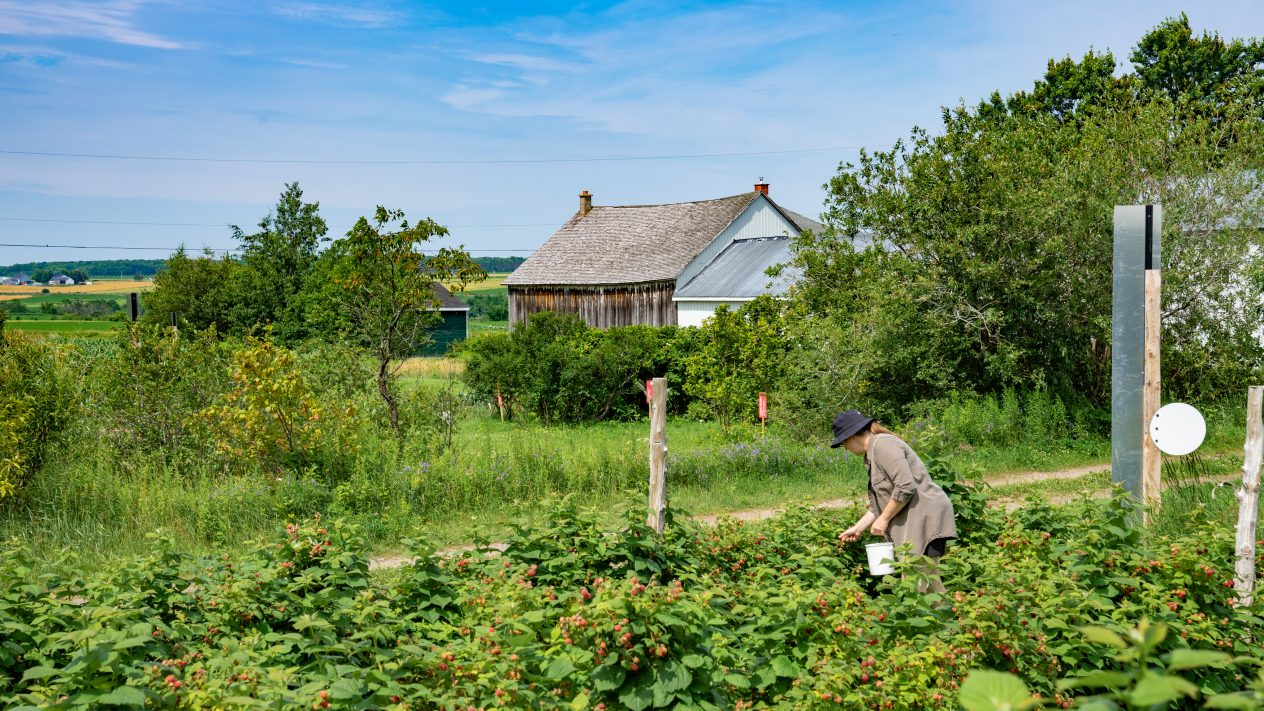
99 268
500 265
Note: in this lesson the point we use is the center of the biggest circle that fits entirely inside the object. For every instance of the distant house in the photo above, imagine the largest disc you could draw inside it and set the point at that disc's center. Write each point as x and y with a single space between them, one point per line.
455 326
61 280
622 265
16 280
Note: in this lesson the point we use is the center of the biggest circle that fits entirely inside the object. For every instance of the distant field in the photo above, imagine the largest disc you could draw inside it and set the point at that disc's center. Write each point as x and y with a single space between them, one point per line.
111 286
78 328
492 282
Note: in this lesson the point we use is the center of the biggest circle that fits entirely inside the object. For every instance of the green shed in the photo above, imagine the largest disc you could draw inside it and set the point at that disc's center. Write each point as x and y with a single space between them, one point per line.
454 328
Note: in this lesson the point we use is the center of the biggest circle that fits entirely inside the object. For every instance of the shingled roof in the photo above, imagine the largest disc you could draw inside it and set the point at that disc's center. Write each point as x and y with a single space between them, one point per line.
629 244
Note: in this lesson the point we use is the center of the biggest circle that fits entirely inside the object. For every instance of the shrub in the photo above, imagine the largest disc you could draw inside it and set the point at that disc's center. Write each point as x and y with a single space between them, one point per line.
561 370
742 354
271 417
41 397
147 388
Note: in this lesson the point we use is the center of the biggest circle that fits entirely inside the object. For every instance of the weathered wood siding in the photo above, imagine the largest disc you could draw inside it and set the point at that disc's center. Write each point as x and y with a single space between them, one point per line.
599 306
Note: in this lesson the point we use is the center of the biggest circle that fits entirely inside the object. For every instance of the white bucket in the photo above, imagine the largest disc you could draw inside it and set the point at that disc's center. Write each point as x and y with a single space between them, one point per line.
881 555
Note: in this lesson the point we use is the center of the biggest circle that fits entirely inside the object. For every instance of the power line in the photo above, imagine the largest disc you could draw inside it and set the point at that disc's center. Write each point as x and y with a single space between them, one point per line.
219 224
194 249
491 161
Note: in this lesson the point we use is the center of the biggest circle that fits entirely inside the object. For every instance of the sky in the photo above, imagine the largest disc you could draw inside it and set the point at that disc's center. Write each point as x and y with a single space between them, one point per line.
488 117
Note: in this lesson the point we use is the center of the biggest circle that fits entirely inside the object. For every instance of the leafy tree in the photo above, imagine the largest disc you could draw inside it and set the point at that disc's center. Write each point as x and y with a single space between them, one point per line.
79 275
994 262
200 290
387 289
276 262
41 276
1207 70
741 355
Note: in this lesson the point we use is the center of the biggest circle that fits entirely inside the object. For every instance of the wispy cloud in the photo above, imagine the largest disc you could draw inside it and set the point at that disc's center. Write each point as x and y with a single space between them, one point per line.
333 14
112 21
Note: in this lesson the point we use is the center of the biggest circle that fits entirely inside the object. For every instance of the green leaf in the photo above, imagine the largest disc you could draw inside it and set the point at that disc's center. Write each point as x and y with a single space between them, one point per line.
1241 700
782 666
1101 635
673 677
38 673
580 702
987 690
346 689
693 661
1196 659
560 668
608 677
1160 689
1095 680
123 696
636 697
737 680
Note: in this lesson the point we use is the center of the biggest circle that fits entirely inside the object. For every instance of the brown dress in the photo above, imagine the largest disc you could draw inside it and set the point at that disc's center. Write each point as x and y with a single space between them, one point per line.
896 472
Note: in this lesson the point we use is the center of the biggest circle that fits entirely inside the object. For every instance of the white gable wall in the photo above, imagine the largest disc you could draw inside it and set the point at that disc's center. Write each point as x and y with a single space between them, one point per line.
693 313
759 219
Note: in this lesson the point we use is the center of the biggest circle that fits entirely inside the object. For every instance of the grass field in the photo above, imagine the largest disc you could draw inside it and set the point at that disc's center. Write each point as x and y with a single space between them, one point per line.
78 328
491 283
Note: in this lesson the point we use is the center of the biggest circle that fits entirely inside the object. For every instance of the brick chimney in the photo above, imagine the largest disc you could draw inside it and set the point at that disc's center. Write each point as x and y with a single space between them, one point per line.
585 203
761 186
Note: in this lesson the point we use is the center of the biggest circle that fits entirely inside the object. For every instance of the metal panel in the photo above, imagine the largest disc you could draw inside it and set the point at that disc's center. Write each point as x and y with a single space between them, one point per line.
760 219
1133 235
740 272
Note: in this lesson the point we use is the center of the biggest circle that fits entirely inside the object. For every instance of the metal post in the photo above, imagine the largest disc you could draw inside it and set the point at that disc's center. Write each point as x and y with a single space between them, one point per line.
1137 251
133 301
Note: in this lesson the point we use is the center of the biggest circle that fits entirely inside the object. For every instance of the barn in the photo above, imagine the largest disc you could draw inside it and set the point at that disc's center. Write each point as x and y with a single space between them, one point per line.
621 265
454 326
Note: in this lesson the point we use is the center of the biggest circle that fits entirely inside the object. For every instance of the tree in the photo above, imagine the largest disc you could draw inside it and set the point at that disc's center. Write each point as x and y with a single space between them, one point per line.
199 290
993 264
276 263
41 276
1204 70
387 289
79 275
741 355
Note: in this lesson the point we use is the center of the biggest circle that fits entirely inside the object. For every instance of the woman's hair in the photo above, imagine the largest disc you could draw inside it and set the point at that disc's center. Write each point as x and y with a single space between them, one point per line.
877 428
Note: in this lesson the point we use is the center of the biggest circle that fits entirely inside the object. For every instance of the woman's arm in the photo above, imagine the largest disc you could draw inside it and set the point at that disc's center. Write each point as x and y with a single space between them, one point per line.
853 533
883 522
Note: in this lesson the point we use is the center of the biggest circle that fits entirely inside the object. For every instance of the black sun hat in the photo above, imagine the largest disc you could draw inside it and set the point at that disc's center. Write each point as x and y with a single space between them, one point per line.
847 424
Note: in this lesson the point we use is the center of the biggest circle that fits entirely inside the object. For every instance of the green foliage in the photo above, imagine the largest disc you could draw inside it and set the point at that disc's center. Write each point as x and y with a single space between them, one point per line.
41 395
200 290
386 289
499 265
272 418
488 305
119 268
147 388
992 244
741 355
561 370
577 613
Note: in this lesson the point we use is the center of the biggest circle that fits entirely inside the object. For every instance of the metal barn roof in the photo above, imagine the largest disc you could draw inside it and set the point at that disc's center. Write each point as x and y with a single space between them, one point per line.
740 272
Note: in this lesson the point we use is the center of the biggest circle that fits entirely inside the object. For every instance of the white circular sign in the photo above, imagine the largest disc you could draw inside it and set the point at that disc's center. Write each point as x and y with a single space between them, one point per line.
1177 428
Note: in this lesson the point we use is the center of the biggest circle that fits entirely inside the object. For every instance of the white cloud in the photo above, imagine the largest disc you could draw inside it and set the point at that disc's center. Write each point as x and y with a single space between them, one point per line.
112 21
331 14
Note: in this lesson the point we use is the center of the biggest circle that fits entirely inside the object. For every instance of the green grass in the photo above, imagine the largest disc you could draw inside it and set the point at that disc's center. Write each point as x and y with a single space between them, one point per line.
78 328
477 327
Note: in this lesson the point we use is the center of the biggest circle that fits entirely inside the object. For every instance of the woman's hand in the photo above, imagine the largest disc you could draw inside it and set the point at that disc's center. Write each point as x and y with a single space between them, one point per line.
880 526
850 535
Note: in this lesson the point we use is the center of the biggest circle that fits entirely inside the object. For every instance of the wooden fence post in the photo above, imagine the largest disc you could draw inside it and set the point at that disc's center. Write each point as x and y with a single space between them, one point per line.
1248 496
658 455
1151 458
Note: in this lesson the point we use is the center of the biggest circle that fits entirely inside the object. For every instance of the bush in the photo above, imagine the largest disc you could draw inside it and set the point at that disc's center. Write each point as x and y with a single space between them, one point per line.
146 390
742 354
41 397
559 369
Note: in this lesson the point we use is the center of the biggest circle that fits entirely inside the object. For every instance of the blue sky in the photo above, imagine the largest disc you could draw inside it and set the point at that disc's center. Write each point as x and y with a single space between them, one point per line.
462 84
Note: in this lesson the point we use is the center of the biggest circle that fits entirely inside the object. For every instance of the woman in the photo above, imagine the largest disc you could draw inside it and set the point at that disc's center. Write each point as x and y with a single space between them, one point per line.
904 504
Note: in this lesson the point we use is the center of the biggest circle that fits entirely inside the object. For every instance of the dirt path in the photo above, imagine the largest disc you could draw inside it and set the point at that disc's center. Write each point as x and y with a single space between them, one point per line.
1004 479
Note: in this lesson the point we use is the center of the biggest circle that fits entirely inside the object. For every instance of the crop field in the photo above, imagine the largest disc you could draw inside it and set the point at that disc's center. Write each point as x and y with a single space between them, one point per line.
491 283
578 612
78 328
109 286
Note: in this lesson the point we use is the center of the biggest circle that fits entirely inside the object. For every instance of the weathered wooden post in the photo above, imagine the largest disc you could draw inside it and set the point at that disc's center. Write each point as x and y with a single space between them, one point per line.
658 454
1248 497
